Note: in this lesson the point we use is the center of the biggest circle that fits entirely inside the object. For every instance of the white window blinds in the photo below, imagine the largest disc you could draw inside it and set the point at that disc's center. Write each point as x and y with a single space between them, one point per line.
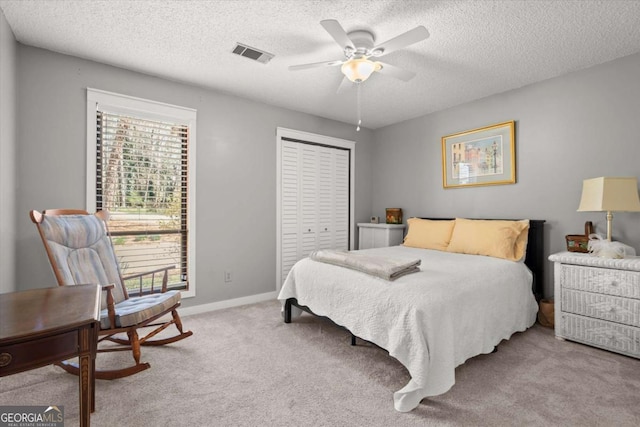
142 180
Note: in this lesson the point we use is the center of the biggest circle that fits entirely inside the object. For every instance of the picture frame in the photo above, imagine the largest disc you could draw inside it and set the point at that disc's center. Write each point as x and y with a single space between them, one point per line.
477 157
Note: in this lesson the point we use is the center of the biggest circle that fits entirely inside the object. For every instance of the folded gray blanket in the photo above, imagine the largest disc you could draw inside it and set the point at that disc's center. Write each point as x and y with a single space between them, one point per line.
383 267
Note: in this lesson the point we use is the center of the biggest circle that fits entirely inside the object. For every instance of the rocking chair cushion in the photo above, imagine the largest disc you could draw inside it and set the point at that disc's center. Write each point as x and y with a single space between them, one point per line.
82 251
136 310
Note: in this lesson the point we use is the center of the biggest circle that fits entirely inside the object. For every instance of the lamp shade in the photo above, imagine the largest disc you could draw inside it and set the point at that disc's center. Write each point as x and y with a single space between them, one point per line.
607 194
359 70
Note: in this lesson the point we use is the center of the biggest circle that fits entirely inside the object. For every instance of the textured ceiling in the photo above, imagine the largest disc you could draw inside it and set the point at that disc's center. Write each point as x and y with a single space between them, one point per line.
476 48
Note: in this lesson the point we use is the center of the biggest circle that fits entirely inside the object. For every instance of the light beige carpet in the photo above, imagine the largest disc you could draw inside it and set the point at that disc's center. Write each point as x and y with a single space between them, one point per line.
244 367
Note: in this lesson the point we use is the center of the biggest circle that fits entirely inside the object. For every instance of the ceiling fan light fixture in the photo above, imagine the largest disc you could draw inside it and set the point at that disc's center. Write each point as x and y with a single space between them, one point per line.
359 70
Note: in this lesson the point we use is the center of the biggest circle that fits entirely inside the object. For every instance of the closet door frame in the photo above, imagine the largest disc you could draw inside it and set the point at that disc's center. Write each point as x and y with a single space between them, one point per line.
312 138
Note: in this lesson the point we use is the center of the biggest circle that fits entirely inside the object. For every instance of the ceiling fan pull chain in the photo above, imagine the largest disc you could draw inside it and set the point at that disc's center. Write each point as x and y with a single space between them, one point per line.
359 107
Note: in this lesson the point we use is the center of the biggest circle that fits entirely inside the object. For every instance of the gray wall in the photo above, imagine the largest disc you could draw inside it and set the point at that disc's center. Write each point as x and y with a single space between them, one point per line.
570 128
7 156
582 125
235 167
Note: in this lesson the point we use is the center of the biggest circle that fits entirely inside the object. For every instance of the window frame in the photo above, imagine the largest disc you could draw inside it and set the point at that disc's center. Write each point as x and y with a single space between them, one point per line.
143 108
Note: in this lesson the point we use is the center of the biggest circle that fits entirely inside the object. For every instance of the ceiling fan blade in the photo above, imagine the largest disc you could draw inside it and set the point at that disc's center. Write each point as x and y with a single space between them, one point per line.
338 33
403 40
315 65
397 72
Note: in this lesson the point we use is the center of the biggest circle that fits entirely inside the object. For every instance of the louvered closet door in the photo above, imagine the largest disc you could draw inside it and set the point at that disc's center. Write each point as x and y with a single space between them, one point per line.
341 200
308 209
289 209
325 198
315 201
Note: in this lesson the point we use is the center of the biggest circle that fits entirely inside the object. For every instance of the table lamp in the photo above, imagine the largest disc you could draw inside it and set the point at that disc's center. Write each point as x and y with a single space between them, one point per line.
607 194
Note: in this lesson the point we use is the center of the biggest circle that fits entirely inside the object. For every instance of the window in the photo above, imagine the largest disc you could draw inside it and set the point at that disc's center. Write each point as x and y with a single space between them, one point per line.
139 170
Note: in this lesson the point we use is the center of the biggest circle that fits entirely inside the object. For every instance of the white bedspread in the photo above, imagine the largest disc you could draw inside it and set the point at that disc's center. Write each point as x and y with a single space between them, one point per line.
456 307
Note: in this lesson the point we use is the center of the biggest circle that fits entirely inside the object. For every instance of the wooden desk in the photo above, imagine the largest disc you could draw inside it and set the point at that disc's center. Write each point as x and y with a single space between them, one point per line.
44 326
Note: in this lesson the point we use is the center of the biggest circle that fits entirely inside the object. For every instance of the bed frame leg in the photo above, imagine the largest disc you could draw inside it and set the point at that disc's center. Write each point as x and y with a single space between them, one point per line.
353 339
287 311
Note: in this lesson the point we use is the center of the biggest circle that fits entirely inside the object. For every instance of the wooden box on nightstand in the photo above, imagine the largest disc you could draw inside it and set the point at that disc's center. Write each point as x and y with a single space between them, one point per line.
597 301
379 235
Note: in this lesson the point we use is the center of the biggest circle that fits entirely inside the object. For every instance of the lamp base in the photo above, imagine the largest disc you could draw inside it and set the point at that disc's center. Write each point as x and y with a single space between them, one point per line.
609 224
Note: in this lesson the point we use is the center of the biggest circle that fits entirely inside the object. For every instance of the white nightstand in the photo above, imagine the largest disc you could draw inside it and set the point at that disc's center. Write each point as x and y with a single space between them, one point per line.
379 235
597 301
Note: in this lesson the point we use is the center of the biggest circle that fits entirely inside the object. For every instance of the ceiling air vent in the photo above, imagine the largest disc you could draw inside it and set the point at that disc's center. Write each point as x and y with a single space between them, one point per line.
252 53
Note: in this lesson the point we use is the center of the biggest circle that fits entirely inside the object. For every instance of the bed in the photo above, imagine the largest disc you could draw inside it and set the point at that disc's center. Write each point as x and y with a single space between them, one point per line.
457 306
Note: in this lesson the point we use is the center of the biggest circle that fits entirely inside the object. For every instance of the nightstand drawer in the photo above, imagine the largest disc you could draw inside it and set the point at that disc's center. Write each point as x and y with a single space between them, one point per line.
601 280
600 333
606 307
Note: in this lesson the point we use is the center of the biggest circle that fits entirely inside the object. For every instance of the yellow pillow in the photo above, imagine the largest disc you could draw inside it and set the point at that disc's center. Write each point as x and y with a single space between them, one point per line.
520 250
428 234
500 239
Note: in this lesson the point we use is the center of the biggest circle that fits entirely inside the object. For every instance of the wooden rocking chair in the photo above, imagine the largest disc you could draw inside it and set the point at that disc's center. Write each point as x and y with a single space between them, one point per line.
80 251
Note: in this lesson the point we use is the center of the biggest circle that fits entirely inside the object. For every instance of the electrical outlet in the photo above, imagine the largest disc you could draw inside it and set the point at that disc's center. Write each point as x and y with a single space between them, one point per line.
227 276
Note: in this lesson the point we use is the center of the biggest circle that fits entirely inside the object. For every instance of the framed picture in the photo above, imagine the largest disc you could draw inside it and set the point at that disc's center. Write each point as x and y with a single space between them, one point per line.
484 156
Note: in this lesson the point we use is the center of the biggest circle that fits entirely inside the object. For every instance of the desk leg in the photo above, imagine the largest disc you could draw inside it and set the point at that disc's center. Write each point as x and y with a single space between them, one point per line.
87 371
92 371
85 390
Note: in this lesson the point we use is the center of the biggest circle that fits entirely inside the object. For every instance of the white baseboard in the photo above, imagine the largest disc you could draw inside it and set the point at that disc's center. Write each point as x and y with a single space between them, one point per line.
219 305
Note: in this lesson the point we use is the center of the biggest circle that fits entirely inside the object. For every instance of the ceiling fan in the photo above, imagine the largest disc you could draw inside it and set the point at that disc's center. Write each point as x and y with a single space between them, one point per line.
361 53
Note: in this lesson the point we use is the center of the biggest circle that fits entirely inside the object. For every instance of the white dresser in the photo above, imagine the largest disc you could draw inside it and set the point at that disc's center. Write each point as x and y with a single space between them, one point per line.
597 301
379 235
